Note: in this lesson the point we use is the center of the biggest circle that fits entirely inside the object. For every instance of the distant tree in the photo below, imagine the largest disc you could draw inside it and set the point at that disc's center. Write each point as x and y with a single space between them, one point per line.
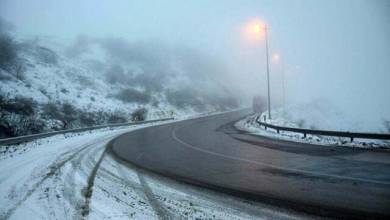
183 98
8 52
9 60
18 116
70 114
51 110
132 95
116 117
139 114
88 119
386 124
66 113
18 105
301 123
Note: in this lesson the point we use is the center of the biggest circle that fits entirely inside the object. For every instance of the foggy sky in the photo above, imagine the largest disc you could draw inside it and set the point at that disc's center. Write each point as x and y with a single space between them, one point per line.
335 50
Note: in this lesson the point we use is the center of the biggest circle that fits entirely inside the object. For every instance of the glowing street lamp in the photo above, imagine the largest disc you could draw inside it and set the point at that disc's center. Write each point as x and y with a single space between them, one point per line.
275 57
259 30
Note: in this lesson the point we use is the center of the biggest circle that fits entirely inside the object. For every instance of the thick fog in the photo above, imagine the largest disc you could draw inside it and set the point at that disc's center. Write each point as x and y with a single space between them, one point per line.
334 52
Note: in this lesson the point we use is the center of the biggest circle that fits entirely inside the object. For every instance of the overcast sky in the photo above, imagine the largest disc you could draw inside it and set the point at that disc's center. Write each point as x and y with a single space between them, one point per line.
337 50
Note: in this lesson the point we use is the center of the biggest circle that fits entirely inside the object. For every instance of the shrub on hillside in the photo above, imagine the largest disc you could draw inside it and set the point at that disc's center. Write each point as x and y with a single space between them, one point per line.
52 110
386 124
66 113
9 60
88 119
18 105
184 99
18 116
116 117
8 52
139 114
131 95
71 117
12 125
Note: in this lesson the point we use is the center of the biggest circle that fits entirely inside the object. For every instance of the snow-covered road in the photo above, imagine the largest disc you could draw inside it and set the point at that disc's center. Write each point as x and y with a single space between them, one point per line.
73 176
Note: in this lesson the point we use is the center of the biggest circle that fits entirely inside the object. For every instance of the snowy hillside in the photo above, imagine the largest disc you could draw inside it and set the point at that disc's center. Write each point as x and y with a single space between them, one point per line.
50 86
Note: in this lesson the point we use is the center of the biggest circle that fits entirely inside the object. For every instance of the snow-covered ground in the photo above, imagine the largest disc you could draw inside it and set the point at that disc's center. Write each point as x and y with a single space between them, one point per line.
72 176
318 116
70 81
322 114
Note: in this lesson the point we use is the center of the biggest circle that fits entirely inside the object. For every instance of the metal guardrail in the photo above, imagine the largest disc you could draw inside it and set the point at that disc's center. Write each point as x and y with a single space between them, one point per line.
350 135
27 138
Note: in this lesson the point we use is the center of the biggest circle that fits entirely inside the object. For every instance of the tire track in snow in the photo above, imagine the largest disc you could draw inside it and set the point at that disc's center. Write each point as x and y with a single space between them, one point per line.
53 168
161 212
89 189
72 190
159 209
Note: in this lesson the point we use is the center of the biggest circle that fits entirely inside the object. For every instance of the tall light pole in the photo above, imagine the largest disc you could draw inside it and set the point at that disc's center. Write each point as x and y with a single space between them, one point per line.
267 58
258 30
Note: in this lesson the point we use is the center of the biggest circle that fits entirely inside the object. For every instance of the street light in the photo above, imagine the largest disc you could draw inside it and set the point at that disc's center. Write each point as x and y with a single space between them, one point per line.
267 57
276 57
260 29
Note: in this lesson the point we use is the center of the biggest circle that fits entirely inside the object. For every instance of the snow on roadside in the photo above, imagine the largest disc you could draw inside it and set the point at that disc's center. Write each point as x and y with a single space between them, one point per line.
34 175
137 194
250 125
324 115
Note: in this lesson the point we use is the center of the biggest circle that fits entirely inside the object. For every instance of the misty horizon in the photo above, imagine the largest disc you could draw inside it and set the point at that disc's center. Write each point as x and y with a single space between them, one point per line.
335 52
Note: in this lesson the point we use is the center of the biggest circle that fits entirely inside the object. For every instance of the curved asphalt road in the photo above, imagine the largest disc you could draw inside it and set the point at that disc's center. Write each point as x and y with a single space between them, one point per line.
328 181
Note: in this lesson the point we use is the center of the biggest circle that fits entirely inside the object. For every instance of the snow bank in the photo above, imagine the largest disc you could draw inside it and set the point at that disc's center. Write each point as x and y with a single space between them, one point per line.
322 115
312 116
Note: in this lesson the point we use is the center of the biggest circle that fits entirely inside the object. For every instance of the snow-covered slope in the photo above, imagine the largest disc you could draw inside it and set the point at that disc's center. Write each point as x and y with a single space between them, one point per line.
62 81
94 81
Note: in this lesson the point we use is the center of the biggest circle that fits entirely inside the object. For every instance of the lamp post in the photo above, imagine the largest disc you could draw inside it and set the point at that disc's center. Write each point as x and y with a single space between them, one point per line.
258 30
267 59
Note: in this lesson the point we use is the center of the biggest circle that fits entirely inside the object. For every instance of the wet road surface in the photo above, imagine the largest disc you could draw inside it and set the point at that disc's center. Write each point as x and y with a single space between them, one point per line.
327 181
